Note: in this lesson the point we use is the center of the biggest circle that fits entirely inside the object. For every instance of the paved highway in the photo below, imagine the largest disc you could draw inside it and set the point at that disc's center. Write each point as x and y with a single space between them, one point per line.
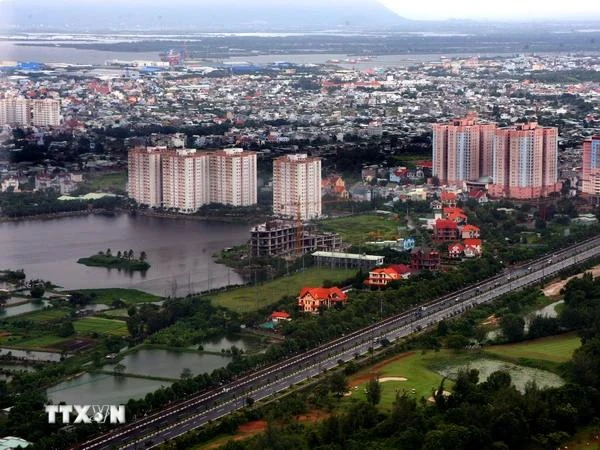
177 419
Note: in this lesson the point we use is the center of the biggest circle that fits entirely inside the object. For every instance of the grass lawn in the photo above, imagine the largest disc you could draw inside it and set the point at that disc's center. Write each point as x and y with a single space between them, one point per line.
250 298
108 182
554 348
121 312
129 296
101 326
44 315
414 366
357 230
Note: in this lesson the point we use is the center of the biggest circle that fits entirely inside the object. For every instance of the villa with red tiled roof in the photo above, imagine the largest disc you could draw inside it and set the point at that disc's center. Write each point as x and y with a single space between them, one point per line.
456 250
470 232
382 276
448 198
445 230
312 298
278 316
472 248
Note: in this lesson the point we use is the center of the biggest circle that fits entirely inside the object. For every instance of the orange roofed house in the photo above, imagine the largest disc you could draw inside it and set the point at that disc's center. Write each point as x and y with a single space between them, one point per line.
382 276
311 298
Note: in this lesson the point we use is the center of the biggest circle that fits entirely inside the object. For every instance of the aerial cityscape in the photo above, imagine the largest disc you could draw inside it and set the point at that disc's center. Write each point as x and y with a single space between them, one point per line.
289 225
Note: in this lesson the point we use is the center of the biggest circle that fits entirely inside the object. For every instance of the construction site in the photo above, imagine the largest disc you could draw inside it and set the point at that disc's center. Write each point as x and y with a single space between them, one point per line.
291 239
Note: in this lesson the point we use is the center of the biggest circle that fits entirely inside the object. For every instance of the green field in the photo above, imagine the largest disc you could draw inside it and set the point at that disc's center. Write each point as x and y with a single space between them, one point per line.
129 296
44 315
109 182
412 366
251 298
33 342
101 326
554 348
357 230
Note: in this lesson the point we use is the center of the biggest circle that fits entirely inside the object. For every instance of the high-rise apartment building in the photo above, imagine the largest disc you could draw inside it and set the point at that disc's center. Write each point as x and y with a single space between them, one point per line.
462 150
591 167
26 112
145 175
525 161
297 186
233 177
185 179
45 113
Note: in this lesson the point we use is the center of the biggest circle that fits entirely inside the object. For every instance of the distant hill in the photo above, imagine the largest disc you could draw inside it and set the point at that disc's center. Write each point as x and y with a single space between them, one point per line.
202 15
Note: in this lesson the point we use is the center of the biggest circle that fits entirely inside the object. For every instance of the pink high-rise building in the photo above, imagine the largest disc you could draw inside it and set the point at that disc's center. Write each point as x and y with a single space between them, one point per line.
462 150
525 161
591 167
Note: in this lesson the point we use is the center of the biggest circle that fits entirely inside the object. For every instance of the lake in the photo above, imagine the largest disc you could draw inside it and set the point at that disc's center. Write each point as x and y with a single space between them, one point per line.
95 388
179 250
168 363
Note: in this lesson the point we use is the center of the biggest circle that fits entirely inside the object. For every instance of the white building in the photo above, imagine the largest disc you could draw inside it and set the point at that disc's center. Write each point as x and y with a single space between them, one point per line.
233 177
185 180
26 112
297 187
45 113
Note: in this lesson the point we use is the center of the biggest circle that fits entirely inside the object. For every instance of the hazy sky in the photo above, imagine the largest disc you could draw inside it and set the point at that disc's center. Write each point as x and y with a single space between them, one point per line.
491 10
496 10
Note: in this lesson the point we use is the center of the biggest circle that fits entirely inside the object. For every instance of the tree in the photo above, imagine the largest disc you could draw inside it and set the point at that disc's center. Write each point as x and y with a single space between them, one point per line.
108 252
119 254
186 374
512 327
143 256
373 391
130 254
66 329
37 290
338 384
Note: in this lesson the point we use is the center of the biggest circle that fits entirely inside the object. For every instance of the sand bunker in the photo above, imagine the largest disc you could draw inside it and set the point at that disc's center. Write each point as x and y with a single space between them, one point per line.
384 379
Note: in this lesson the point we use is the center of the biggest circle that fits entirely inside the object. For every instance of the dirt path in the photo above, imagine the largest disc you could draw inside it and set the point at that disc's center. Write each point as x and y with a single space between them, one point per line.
554 289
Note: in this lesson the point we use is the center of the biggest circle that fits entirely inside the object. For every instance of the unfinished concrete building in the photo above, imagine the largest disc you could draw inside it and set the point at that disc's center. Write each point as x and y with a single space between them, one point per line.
286 238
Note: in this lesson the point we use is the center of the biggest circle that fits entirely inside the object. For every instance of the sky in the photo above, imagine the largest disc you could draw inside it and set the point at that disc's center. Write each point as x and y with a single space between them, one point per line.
488 10
521 10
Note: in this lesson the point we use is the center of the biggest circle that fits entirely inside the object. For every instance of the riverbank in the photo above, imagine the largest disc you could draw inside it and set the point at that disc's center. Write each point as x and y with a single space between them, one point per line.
250 219
57 215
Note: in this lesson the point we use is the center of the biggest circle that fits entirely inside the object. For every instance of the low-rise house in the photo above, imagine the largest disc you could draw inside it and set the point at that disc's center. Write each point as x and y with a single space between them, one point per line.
448 198
479 196
445 230
470 232
280 316
456 250
473 248
382 276
311 299
424 259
